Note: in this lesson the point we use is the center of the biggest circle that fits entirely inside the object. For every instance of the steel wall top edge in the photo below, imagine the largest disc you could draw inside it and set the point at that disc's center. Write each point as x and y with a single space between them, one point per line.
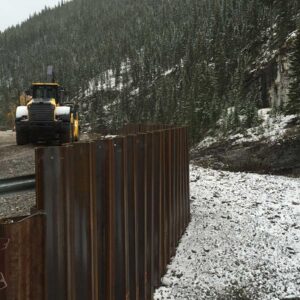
81 142
104 138
16 220
147 128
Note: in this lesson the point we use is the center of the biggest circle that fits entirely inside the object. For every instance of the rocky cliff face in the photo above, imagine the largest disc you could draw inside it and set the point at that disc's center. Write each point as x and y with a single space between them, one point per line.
272 70
279 89
274 145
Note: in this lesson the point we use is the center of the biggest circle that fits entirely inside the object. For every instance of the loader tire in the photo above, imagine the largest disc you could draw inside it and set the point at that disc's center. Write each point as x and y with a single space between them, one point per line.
66 134
21 137
72 133
75 138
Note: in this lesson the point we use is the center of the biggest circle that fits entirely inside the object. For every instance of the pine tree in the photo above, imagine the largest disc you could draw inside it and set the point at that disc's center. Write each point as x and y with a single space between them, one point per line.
203 40
285 21
293 106
251 114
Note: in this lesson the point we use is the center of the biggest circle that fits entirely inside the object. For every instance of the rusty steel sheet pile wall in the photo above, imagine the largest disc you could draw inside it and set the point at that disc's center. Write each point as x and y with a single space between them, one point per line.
116 209
110 215
22 255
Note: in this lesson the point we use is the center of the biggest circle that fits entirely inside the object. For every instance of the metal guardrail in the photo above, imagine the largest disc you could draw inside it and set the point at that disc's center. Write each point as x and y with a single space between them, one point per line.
115 209
16 184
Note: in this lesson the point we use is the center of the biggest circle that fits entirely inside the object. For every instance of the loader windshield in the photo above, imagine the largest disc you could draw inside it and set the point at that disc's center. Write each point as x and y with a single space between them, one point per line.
44 92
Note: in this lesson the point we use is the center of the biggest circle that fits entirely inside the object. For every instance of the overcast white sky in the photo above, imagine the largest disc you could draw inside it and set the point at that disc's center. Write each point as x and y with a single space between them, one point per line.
13 12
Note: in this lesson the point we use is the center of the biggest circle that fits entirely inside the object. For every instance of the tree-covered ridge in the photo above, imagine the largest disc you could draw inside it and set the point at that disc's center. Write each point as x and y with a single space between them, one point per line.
208 46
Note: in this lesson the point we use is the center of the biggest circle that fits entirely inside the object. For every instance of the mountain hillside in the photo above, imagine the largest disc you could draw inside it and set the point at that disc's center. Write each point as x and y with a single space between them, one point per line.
180 61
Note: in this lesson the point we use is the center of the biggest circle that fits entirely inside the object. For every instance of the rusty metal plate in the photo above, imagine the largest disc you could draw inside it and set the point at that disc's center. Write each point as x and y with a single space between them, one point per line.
156 208
149 290
50 164
119 221
116 209
132 218
141 202
162 209
102 152
22 258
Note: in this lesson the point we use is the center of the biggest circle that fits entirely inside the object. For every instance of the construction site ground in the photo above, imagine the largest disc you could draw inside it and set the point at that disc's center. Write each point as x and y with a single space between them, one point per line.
242 242
15 161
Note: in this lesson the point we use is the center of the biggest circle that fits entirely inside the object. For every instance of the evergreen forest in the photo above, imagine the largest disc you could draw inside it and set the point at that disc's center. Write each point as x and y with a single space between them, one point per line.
180 61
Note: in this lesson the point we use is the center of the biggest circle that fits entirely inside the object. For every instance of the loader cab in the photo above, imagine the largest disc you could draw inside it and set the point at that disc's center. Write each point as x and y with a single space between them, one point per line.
47 91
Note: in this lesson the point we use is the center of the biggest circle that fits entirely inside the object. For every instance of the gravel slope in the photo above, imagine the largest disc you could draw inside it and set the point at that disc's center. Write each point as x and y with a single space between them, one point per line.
243 241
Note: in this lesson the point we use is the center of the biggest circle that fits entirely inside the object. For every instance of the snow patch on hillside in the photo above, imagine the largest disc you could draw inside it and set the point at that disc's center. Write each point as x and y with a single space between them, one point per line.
108 80
272 129
243 239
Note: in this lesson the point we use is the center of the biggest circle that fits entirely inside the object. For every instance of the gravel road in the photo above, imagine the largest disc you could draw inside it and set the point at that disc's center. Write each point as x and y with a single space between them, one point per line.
15 161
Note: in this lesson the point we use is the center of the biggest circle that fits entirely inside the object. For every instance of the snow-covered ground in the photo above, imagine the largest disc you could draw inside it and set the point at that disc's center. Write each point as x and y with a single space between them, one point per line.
271 130
243 241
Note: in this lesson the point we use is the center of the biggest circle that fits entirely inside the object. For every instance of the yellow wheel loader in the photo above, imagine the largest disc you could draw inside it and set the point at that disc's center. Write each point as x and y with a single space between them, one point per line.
45 117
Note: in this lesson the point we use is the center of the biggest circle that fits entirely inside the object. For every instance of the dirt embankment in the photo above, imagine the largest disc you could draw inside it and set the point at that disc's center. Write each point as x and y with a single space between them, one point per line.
280 159
280 156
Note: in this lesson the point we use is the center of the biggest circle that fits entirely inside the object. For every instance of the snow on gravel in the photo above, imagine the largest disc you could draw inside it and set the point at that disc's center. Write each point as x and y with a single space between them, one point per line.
243 241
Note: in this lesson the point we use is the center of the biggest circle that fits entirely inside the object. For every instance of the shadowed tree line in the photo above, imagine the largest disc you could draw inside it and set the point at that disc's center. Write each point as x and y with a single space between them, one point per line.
201 42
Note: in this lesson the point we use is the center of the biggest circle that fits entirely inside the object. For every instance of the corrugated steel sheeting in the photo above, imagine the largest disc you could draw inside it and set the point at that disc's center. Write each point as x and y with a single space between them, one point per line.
22 255
114 211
